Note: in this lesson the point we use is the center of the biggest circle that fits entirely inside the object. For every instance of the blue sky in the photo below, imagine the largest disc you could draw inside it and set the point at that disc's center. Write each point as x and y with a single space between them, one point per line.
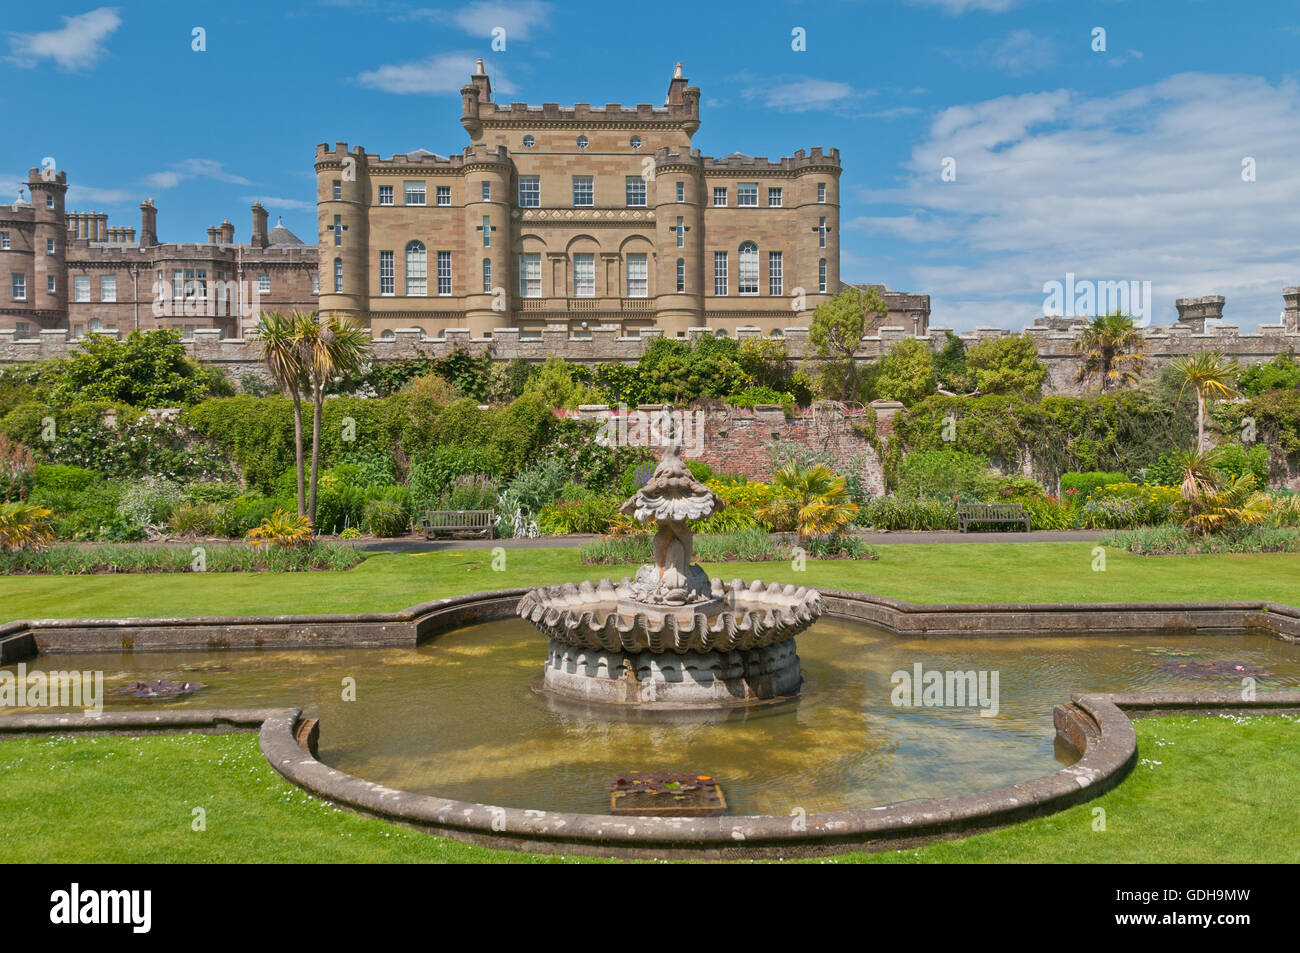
1122 164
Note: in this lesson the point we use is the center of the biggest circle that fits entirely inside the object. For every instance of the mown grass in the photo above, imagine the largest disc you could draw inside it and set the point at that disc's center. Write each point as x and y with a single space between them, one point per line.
930 573
1207 789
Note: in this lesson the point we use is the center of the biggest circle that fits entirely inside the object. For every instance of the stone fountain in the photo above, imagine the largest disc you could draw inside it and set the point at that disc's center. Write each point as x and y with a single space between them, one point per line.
672 637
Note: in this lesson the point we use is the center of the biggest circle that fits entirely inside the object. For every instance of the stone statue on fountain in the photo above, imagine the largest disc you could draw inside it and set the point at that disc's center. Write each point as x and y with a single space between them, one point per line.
671 497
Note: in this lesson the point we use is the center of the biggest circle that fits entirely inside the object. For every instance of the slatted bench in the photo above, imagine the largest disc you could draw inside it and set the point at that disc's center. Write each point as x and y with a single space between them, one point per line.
968 513
458 521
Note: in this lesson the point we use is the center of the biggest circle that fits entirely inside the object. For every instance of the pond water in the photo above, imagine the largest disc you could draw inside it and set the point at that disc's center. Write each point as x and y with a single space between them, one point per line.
459 716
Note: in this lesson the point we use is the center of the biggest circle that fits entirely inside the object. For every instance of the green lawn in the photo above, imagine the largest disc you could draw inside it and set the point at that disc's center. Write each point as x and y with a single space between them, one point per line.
1207 789
934 572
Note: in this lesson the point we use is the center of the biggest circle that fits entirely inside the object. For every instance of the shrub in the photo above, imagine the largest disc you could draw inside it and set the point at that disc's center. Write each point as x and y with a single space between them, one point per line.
149 501
350 533
54 476
590 515
146 369
435 474
194 519
471 492
17 470
386 517
841 546
1174 540
281 530
1083 484
1048 513
24 526
75 560
945 473
1111 512
893 513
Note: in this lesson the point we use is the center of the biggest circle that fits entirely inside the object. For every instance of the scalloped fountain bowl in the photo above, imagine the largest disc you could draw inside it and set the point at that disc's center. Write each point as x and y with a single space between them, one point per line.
734 648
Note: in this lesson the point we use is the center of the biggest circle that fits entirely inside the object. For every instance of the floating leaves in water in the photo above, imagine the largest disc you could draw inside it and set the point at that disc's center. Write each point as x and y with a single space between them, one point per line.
661 782
1239 669
159 688
1164 651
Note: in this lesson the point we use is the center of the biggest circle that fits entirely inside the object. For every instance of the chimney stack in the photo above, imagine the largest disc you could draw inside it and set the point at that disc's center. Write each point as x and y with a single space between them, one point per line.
226 232
1194 312
212 234
1291 316
148 223
676 87
259 226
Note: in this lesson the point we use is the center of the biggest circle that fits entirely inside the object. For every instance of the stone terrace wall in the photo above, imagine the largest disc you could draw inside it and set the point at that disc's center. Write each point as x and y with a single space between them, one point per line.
237 357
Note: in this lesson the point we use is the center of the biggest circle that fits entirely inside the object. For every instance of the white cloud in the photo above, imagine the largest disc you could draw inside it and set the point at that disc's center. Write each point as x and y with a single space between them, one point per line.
801 93
518 19
88 193
444 73
274 202
956 7
1143 185
1021 52
193 169
77 45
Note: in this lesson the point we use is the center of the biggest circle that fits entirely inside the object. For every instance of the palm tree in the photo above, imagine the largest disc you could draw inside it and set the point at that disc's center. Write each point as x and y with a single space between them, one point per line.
812 499
1111 346
1214 502
329 348
1212 376
277 334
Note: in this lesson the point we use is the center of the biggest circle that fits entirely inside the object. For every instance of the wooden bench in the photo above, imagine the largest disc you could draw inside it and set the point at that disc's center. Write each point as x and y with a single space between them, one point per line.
968 513
458 521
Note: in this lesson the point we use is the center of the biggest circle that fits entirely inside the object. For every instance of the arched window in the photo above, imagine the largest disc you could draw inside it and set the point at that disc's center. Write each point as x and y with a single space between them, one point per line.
821 275
94 324
417 266
387 335
487 276
681 274
338 276
748 272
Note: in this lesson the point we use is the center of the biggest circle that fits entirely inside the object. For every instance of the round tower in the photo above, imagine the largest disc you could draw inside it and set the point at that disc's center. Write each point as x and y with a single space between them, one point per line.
817 192
487 181
50 240
680 242
343 226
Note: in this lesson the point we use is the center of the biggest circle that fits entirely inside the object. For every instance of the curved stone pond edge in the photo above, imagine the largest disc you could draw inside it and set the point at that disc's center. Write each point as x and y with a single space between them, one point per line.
1098 724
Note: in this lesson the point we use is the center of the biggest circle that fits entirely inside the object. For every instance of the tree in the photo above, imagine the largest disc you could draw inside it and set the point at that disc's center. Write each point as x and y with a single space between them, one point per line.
277 335
558 384
1111 346
1007 365
148 369
836 335
1211 376
907 372
950 370
812 499
328 349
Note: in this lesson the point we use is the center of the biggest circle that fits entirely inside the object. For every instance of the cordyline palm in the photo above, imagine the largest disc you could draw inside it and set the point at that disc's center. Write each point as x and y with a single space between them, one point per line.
278 335
1213 502
328 348
24 525
1212 376
1111 346
812 499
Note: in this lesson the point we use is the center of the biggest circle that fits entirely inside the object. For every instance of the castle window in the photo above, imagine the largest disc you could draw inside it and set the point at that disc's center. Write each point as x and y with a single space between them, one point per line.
773 198
638 281
49 246
582 142
530 275
338 190
108 288
681 191
81 288
487 231
487 276
387 273
681 232
315 283
385 195
747 270
444 272
681 274
49 201
4 241
530 191
635 142
178 285
18 286
50 285
529 142
22 328
635 191
775 266
263 283
584 276
387 334
413 193
416 269
94 324
821 192
338 276
720 197
821 275
338 230
442 195
821 232
487 192
719 273
747 195
584 191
